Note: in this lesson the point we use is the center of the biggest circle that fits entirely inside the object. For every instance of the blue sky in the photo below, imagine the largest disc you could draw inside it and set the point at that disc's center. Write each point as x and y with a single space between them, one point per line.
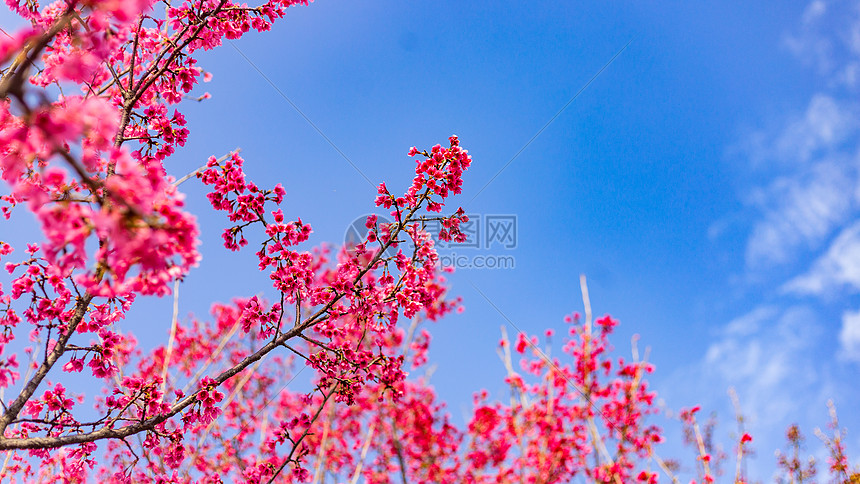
707 182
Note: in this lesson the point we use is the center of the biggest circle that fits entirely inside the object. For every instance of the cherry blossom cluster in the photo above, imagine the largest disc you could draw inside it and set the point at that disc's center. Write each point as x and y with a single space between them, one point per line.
243 202
562 412
440 174
91 167
583 417
90 119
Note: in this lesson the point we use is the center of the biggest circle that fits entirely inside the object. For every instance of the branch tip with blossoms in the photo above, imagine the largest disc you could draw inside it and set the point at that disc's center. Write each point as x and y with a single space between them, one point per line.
122 199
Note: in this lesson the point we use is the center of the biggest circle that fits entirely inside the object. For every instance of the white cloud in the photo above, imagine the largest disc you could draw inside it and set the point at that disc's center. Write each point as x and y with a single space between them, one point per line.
824 126
768 356
808 44
751 322
849 74
837 268
812 156
803 201
828 38
799 212
778 361
814 11
849 335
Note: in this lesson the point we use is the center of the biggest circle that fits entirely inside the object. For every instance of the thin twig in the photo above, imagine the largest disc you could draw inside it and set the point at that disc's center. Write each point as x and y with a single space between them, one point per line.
319 471
201 168
364 450
586 302
229 399
174 322
663 466
212 357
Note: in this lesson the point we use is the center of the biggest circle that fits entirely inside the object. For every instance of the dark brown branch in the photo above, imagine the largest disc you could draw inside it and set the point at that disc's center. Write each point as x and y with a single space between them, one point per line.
154 72
50 359
151 422
13 79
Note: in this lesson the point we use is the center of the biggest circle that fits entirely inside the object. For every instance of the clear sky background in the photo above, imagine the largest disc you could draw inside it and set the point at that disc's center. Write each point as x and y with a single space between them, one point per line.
707 182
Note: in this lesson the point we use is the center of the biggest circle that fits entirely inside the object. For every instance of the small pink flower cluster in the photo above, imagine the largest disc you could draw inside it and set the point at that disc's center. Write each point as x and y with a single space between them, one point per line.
242 201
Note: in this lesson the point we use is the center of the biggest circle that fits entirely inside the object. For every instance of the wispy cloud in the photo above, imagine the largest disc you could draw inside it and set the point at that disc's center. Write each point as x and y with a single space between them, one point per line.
812 155
849 336
778 360
808 43
825 125
838 268
783 356
799 211
751 322
770 357
822 128
828 38
767 355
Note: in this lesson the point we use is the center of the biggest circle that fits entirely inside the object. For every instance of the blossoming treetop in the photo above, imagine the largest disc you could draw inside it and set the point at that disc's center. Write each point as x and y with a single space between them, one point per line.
88 124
